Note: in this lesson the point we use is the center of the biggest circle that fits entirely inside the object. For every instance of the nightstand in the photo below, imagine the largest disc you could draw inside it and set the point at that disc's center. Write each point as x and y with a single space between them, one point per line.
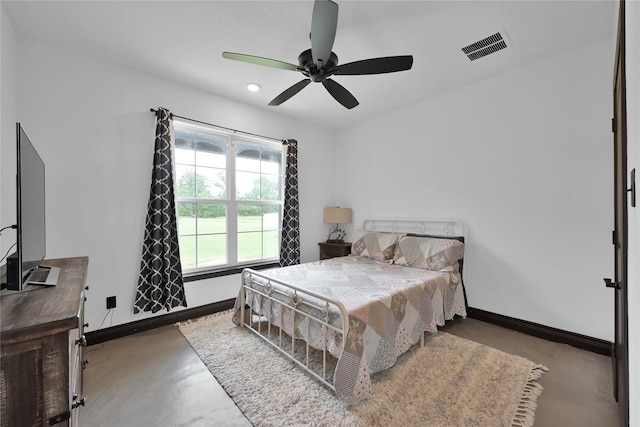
332 250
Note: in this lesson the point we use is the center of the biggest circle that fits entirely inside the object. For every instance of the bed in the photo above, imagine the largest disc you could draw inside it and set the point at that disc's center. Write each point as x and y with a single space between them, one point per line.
346 318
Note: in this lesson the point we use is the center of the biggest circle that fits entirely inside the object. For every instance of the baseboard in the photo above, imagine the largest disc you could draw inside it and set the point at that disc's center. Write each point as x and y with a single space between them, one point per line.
584 342
119 331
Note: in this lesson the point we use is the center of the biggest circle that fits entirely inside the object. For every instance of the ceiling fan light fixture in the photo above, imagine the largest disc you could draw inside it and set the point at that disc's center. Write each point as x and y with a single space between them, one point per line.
253 87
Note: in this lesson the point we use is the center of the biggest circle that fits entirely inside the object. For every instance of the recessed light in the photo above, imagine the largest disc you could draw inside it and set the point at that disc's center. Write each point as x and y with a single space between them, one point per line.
253 87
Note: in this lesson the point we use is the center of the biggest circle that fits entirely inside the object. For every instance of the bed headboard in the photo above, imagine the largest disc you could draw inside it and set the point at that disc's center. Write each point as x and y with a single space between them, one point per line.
426 227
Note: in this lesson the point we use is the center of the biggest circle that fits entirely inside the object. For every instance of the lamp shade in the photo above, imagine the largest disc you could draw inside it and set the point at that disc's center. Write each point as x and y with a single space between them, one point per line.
337 215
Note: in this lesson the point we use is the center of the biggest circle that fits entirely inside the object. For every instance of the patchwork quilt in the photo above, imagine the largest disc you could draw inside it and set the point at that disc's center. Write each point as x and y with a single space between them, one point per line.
389 307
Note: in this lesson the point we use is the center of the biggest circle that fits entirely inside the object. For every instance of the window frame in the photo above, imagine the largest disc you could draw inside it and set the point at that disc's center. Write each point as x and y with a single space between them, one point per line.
231 202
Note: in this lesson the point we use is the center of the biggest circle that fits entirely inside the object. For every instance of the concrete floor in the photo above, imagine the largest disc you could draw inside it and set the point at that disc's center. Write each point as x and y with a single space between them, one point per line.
154 378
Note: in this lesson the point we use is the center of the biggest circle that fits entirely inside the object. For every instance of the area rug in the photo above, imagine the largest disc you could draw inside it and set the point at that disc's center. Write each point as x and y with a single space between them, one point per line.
451 381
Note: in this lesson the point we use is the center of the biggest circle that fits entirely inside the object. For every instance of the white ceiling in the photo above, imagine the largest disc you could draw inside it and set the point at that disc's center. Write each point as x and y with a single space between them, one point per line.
183 41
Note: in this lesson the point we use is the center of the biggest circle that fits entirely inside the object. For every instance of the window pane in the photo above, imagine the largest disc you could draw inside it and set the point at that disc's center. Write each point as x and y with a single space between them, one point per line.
270 187
210 183
249 246
212 249
271 244
212 218
186 182
253 186
187 251
184 146
249 218
248 156
271 161
186 218
247 186
213 160
271 217
184 156
211 150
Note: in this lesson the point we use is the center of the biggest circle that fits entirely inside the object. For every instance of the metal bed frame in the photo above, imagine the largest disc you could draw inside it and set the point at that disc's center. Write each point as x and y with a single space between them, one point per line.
273 295
257 283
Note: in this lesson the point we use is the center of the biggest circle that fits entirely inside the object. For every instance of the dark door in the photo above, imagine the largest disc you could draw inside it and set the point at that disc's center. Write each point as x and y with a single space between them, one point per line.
621 346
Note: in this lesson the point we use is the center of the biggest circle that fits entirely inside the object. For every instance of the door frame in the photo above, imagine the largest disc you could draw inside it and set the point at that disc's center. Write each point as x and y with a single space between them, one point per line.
620 354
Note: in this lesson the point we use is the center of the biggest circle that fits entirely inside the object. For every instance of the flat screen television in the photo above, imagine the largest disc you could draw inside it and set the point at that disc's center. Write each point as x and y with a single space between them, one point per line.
24 266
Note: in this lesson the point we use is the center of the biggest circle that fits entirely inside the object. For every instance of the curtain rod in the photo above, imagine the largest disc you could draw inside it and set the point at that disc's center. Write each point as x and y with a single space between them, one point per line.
220 127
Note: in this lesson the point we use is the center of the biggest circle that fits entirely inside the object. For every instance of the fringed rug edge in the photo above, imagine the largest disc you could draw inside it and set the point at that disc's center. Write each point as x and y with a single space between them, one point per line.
526 410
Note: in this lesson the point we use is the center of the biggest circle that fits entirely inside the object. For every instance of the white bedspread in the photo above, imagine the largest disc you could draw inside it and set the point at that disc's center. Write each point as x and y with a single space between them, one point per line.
389 307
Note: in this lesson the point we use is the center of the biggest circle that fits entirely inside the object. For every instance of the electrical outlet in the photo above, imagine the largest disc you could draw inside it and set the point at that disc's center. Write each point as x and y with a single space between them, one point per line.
111 302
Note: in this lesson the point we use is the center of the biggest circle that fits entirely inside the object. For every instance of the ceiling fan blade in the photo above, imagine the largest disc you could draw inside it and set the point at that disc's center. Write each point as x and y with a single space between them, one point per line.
340 94
260 61
290 92
324 23
389 64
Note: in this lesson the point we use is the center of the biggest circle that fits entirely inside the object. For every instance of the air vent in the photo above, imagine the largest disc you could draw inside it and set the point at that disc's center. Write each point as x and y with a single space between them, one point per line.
485 46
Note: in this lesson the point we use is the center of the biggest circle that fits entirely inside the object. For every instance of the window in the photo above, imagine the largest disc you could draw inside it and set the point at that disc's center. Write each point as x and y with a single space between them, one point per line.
229 198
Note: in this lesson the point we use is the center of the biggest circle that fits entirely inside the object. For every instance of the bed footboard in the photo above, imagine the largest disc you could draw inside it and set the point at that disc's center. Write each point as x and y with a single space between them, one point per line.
261 296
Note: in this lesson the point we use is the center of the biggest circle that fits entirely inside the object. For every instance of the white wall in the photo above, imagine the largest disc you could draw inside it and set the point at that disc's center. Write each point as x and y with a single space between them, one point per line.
525 161
633 141
91 123
7 128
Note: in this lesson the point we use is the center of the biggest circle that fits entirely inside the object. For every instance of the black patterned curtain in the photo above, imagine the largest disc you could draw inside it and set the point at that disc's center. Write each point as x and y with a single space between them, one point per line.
160 282
290 243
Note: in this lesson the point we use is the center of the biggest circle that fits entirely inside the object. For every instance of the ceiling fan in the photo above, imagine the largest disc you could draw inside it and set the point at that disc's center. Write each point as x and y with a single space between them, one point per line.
319 63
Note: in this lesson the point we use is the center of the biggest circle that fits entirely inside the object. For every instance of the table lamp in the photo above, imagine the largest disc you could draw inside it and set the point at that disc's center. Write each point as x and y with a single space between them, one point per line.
336 215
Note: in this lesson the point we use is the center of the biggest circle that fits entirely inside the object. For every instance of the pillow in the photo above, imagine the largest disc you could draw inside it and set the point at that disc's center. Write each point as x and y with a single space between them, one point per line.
376 245
430 253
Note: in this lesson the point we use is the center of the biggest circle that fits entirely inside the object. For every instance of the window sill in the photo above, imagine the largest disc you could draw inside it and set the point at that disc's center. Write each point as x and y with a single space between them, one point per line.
202 275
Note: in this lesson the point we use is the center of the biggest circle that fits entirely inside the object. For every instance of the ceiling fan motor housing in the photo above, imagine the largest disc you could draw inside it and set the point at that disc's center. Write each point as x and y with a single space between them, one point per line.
315 74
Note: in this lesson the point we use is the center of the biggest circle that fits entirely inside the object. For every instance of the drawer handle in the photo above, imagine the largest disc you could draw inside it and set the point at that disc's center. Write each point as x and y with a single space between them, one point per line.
82 341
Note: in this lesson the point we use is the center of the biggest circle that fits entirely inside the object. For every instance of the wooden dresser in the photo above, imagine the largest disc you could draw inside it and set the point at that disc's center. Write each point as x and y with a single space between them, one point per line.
42 343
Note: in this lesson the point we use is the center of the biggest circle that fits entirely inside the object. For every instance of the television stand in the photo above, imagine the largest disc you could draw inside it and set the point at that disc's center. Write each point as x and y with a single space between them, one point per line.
42 350
43 275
